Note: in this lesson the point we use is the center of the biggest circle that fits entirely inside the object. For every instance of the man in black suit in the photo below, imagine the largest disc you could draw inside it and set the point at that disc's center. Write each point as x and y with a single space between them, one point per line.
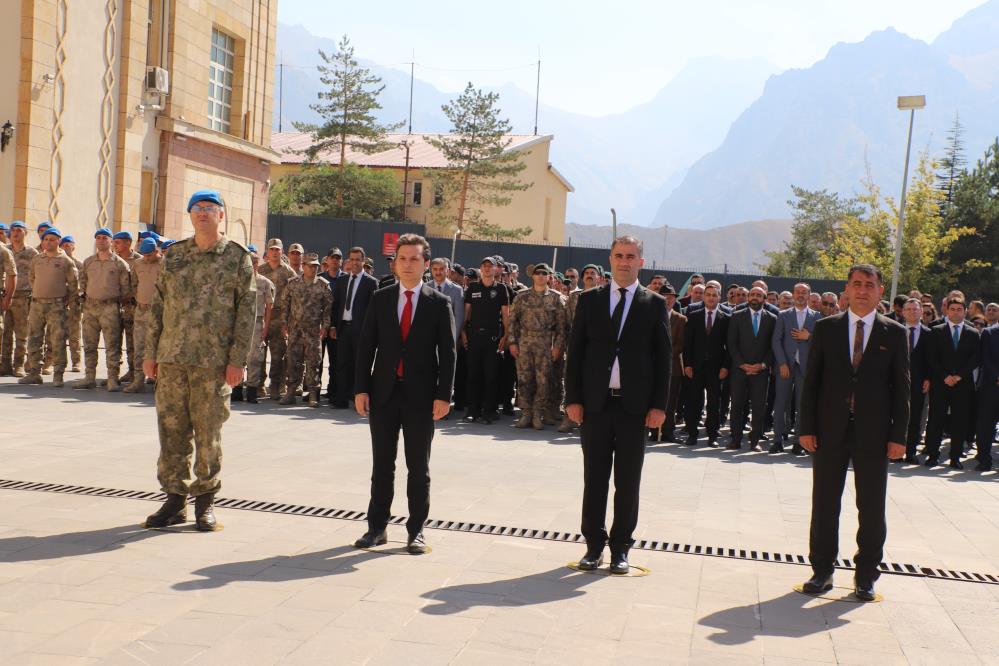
405 371
706 363
750 332
351 295
854 408
334 259
617 379
918 341
954 355
988 397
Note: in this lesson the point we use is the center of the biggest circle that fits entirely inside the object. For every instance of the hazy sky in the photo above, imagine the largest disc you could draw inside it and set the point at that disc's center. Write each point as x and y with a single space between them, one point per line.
625 49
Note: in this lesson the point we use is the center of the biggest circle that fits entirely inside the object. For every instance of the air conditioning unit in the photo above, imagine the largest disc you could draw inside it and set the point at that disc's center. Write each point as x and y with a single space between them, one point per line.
157 81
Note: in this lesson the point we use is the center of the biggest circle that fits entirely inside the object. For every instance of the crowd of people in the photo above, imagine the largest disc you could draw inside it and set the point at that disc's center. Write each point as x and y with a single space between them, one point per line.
740 352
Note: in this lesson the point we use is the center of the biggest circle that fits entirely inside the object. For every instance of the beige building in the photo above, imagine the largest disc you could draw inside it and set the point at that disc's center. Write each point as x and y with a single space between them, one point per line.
541 206
122 108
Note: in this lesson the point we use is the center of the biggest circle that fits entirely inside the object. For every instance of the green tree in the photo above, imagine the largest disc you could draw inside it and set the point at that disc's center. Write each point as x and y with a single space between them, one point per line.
859 237
816 213
347 107
952 164
481 171
327 191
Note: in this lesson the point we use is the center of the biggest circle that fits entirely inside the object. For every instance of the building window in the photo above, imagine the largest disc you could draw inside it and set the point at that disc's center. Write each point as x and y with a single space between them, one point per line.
417 193
220 75
438 195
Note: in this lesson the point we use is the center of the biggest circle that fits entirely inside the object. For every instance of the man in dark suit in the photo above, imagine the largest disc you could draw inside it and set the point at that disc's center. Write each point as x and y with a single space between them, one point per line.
988 397
405 371
351 295
617 379
706 363
791 342
954 355
750 331
854 408
334 259
918 341
677 330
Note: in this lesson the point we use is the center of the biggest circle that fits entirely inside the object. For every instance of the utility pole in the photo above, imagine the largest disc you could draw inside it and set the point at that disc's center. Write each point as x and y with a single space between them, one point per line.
281 93
613 224
412 70
537 94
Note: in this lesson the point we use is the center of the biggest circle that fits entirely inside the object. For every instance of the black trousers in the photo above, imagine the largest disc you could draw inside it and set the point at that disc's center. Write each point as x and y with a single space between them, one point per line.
346 353
507 380
751 390
988 415
950 408
417 426
483 371
705 380
460 377
612 439
914 432
331 357
672 403
725 399
870 472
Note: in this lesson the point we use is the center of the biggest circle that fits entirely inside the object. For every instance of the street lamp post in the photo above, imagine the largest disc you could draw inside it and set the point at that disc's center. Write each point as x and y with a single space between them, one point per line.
908 103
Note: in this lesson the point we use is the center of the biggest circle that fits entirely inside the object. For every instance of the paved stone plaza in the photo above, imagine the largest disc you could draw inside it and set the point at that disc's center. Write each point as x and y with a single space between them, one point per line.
81 582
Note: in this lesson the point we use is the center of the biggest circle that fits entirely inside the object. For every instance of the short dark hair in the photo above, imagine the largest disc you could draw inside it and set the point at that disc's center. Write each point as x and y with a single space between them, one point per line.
628 240
357 248
900 300
414 239
866 269
955 299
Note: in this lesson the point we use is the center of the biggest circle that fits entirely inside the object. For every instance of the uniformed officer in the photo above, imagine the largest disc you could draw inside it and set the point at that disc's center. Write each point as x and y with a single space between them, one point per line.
15 318
307 302
200 325
487 316
8 280
74 309
278 272
258 343
54 279
536 338
122 242
142 280
591 279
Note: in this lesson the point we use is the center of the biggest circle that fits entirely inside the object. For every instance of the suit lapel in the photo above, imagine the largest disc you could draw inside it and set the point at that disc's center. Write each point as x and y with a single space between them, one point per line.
632 310
422 303
874 342
603 316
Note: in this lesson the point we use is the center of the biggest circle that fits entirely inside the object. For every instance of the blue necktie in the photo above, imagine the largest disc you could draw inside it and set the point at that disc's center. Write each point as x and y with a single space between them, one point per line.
956 336
756 324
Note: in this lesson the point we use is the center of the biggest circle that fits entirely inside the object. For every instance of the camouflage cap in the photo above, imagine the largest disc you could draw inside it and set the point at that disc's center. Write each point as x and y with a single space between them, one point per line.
311 258
541 267
296 247
275 242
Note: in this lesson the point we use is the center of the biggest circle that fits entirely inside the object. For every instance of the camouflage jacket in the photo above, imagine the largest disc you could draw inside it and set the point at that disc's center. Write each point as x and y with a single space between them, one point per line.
60 274
204 306
307 304
8 267
279 276
538 314
118 272
23 261
571 306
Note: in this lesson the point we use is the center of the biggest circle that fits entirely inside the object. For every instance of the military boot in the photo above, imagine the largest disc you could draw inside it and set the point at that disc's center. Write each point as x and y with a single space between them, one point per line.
57 381
525 419
47 370
251 395
567 424
88 381
32 378
113 385
126 378
19 371
237 394
5 371
538 422
76 367
314 398
138 384
173 512
551 416
204 513
288 399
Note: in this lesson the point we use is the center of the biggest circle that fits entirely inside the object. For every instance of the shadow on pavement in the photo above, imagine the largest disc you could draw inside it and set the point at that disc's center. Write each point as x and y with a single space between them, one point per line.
555 585
787 616
71 544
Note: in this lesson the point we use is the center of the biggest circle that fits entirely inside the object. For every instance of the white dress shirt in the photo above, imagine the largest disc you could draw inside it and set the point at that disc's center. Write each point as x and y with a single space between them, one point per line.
868 327
615 296
915 338
402 301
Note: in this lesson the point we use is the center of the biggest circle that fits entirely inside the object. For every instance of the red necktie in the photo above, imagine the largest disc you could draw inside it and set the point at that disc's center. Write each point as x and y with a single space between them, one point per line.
404 324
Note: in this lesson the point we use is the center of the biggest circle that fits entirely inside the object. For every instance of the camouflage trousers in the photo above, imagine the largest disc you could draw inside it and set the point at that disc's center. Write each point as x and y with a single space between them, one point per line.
139 328
556 393
277 344
15 333
191 405
534 374
101 319
74 332
255 357
127 332
46 323
304 351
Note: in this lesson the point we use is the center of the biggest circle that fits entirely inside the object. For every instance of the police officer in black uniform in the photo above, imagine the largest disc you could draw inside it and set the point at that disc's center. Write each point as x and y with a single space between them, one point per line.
487 312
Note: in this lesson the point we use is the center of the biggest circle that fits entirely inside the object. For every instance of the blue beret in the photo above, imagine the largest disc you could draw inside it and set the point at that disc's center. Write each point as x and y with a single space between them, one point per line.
44 225
68 238
3 227
147 245
123 235
51 231
103 231
150 234
252 248
205 195
167 243
17 224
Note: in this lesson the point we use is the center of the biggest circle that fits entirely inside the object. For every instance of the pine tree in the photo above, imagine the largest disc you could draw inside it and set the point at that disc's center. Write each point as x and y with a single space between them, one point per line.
952 165
481 171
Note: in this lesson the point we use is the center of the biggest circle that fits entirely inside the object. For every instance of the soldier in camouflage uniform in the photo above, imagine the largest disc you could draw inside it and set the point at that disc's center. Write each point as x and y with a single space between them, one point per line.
537 337
15 318
142 282
591 275
198 336
307 301
104 282
258 343
74 310
8 281
53 277
278 272
122 242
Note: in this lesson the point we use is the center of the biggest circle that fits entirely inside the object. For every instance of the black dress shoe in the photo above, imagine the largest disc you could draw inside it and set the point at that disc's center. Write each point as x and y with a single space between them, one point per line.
797 450
237 394
983 467
817 584
593 558
712 442
776 447
691 439
469 417
417 545
734 446
619 564
956 464
371 539
864 590
931 462
670 438
508 410
251 395
912 460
